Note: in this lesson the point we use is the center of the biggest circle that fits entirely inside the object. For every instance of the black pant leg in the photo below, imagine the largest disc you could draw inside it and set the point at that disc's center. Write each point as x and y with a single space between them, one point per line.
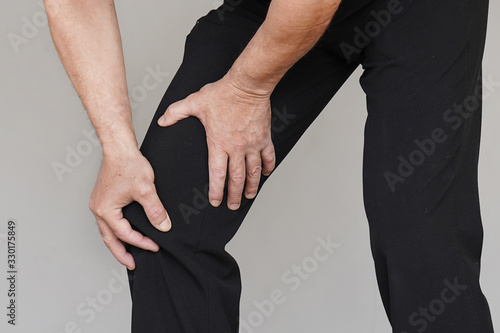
192 284
422 79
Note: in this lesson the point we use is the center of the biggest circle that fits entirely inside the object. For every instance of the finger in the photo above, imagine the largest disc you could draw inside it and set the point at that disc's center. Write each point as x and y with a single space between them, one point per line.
236 181
124 232
254 169
116 247
217 169
268 156
177 111
157 215
122 229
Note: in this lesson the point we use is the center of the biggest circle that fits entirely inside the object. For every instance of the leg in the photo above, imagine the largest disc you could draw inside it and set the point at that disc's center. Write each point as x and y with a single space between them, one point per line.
192 284
423 84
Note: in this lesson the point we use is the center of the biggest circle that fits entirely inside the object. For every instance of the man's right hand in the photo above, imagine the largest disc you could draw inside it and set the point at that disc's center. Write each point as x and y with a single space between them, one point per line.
124 177
87 39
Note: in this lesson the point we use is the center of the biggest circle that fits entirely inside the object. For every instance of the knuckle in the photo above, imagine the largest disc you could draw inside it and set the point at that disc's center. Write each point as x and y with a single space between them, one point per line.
252 187
269 151
214 194
107 240
190 99
240 144
143 189
100 211
218 172
255 171
234 198
237 178
157 213
122 234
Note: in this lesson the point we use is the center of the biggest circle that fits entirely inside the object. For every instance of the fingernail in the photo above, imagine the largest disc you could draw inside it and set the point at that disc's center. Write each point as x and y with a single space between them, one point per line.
215 203
251 195
160 121
165 225
130 269
234 206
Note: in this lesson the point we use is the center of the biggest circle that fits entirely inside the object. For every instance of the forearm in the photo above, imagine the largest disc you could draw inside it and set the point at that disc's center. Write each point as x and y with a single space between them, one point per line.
290 30
88 41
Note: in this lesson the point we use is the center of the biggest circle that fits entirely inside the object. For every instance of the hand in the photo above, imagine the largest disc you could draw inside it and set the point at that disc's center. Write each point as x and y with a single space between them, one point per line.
124 177
238 128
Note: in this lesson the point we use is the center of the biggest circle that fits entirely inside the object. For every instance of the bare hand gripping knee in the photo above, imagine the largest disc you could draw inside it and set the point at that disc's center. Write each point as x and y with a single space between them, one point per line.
235 110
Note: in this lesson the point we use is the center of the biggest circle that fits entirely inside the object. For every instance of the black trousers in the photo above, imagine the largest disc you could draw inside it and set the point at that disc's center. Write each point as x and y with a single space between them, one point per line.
422 79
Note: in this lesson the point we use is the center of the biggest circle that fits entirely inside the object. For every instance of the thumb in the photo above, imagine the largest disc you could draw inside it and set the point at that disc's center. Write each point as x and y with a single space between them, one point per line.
155 211
177 111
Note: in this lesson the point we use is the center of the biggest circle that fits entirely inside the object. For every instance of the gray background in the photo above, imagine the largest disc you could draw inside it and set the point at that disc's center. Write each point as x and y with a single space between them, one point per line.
316 192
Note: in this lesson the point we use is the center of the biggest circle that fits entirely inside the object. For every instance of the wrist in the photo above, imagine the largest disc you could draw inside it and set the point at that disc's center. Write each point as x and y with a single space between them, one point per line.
119 145
244 80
